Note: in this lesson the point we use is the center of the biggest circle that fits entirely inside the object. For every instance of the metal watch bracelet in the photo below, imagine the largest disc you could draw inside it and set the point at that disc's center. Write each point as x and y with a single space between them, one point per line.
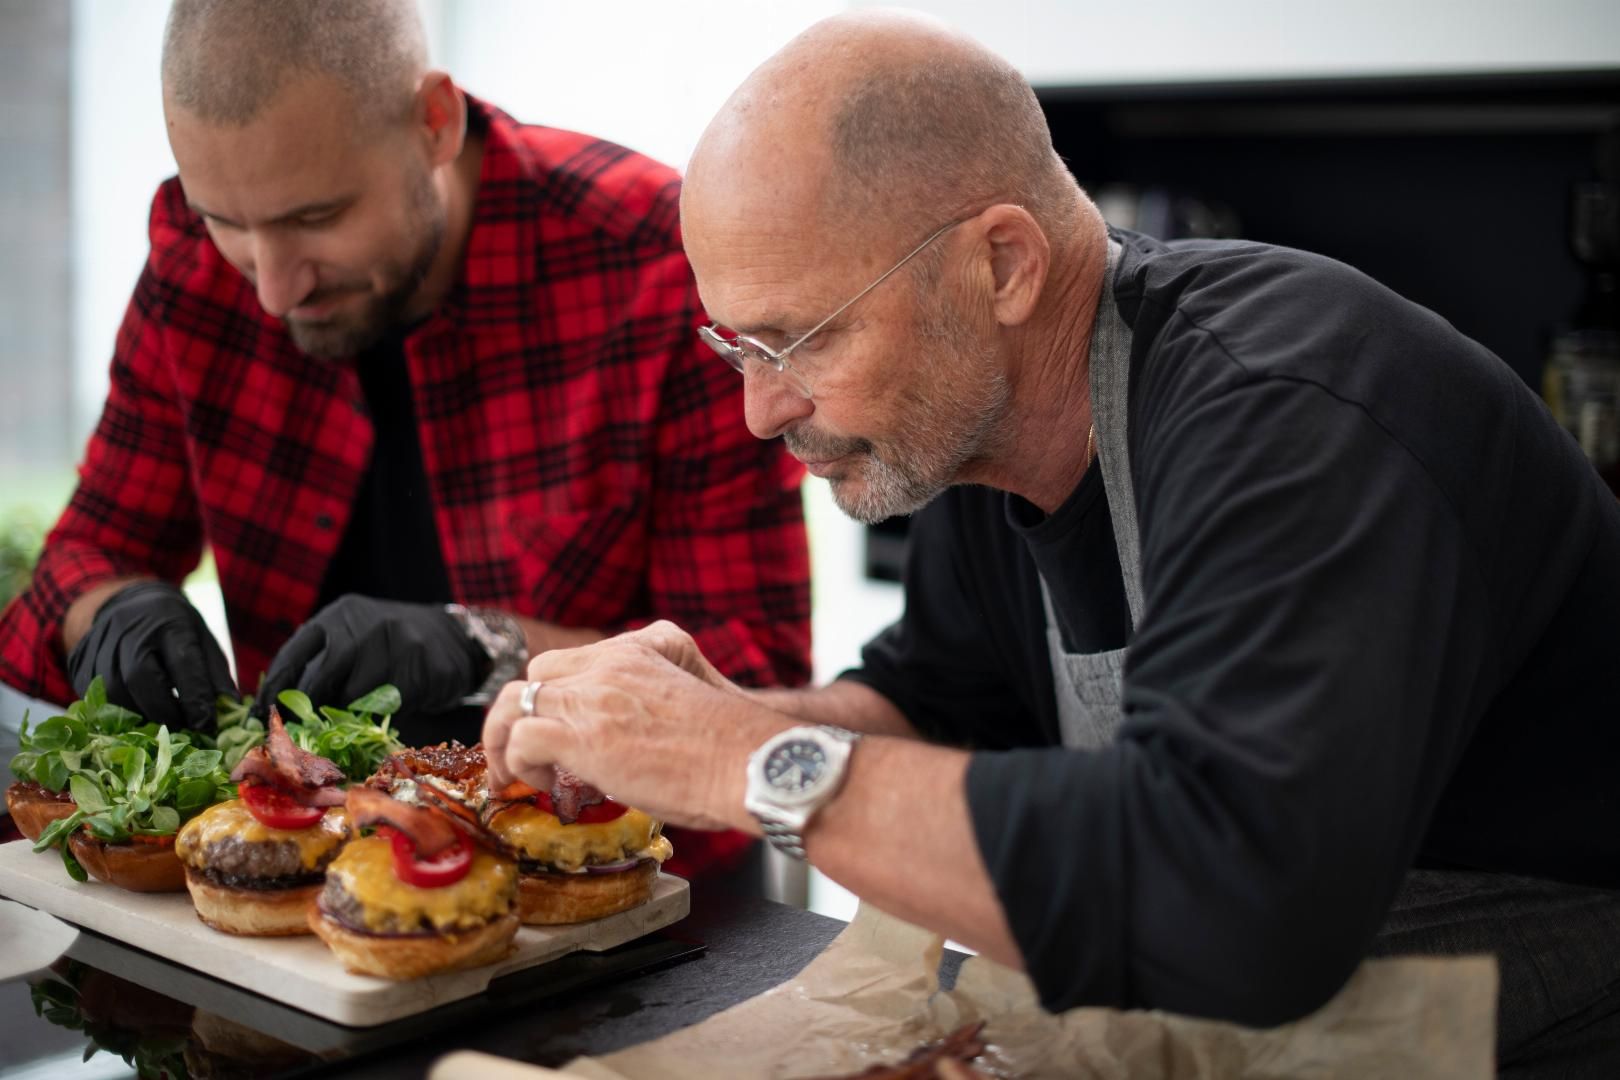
789 839
501 638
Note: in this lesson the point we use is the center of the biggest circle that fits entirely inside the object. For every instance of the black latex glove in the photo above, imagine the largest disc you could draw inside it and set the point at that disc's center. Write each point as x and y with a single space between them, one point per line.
149 644
355 644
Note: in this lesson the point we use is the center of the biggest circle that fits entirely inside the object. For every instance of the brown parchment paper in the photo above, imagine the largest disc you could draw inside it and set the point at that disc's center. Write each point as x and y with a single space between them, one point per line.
872 996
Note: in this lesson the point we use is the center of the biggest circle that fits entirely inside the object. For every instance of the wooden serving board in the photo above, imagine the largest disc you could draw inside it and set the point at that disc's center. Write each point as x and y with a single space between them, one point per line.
301 971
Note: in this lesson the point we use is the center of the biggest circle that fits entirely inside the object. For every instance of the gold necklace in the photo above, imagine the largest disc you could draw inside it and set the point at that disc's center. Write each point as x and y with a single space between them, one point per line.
1091 445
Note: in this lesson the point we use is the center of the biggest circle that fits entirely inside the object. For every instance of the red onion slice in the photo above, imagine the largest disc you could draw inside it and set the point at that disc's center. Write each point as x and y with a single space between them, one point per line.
613 868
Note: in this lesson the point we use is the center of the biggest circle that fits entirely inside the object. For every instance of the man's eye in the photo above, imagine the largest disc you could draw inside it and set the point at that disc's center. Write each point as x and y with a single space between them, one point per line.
319 221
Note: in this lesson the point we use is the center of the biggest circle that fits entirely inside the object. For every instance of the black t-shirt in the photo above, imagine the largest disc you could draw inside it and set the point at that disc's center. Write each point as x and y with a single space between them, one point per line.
390 547
1381 607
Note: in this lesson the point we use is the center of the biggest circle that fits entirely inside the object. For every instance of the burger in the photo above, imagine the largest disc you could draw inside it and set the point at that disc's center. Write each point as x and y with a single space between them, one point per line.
33 806
582 855
254 864
425 892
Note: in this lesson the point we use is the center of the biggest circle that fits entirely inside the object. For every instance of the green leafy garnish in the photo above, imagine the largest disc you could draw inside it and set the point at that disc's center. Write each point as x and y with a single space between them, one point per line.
130 778
357 739
127 778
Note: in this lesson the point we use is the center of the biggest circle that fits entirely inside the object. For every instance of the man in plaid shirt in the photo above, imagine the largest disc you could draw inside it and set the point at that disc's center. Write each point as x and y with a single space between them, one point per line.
392 350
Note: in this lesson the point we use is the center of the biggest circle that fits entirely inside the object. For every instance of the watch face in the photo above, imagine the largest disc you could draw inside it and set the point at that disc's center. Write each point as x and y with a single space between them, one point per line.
796 766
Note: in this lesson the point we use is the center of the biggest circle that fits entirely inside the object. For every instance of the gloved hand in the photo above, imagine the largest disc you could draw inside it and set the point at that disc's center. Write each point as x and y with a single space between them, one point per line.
356 643
149 645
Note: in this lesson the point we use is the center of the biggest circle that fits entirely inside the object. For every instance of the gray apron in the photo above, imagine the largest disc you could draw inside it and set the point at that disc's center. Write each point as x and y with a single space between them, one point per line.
1089 686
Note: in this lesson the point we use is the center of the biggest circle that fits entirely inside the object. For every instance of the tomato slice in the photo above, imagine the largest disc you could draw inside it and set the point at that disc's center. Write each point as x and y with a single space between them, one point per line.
596 814
278 810
446 868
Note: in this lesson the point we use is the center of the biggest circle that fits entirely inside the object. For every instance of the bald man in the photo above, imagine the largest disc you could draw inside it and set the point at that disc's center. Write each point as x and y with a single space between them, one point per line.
1238 588
425 382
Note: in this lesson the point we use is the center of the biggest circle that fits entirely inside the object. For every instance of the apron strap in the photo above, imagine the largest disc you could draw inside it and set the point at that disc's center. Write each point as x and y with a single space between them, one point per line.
1110 411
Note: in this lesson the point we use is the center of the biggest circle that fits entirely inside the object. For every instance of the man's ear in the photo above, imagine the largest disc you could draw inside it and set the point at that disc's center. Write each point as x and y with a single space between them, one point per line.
441 117
1019 259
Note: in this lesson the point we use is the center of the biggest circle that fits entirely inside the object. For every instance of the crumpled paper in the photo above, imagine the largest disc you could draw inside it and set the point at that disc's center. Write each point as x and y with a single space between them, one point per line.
872 997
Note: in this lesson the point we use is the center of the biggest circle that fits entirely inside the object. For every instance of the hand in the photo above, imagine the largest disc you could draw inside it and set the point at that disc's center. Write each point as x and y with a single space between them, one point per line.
625 718
356 643
662 637
155 655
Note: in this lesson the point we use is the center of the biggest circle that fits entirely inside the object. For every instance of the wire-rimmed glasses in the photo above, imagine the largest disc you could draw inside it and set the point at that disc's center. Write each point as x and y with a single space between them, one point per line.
738 349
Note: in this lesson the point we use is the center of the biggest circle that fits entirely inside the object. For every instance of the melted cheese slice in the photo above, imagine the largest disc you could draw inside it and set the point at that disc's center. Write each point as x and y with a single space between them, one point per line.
540 837
231 818
365 869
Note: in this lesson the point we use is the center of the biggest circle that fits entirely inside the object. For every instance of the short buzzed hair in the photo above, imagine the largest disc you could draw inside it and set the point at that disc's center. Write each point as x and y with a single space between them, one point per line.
913 140
224 60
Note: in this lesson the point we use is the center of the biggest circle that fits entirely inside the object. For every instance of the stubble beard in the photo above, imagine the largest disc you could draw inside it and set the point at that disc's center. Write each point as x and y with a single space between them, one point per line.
349 335
952 413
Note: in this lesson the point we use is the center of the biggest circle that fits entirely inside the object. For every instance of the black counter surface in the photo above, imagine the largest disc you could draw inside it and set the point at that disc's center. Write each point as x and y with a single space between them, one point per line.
170 1020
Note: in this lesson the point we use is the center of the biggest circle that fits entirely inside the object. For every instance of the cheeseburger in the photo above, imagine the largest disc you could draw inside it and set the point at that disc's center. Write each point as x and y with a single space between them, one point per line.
423 893
254 864
582 855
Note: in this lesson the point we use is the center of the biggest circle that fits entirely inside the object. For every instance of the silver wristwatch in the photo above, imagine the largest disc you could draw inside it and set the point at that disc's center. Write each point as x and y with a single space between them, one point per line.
501 638
794 774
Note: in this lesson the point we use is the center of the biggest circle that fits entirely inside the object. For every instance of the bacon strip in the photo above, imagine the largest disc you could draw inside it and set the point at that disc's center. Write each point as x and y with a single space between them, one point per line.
451 802
961 1046
570 795
307 769
256 764
322 796
515 791
309 778
428 830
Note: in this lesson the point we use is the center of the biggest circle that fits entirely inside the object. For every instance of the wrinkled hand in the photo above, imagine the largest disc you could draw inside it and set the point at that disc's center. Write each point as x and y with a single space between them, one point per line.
662 637
629 720
155 655
356 643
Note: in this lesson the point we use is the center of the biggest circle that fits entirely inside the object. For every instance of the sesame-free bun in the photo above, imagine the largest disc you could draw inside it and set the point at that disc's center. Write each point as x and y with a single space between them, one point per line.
32 808
136 867
554 899
410 956
252 912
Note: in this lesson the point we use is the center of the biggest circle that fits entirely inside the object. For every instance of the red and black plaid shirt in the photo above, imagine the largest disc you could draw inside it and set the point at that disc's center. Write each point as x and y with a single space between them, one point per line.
586 455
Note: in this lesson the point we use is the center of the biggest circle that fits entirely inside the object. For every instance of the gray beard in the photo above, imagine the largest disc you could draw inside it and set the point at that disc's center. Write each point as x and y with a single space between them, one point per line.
944 426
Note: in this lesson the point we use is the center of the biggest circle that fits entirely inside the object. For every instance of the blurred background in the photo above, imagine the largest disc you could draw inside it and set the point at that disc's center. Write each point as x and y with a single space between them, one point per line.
1461 151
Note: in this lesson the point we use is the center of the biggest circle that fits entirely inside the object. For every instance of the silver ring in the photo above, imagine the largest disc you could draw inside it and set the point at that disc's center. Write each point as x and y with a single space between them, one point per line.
526 702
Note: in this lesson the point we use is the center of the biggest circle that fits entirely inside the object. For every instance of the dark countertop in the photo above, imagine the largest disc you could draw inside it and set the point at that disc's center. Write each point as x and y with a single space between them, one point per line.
730 948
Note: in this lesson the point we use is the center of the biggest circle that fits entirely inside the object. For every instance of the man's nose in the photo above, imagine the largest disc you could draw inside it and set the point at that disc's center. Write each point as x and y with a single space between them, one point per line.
282 276
770 403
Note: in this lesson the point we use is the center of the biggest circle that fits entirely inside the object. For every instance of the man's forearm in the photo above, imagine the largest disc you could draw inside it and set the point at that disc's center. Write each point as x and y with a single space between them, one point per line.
843 703
899 835
82 612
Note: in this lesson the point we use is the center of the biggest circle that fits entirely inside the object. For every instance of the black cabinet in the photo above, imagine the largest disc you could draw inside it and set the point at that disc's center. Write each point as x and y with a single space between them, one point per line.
1453 190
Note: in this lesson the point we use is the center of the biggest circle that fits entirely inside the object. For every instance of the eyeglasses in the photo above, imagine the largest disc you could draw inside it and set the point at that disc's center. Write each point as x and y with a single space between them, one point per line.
738 349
